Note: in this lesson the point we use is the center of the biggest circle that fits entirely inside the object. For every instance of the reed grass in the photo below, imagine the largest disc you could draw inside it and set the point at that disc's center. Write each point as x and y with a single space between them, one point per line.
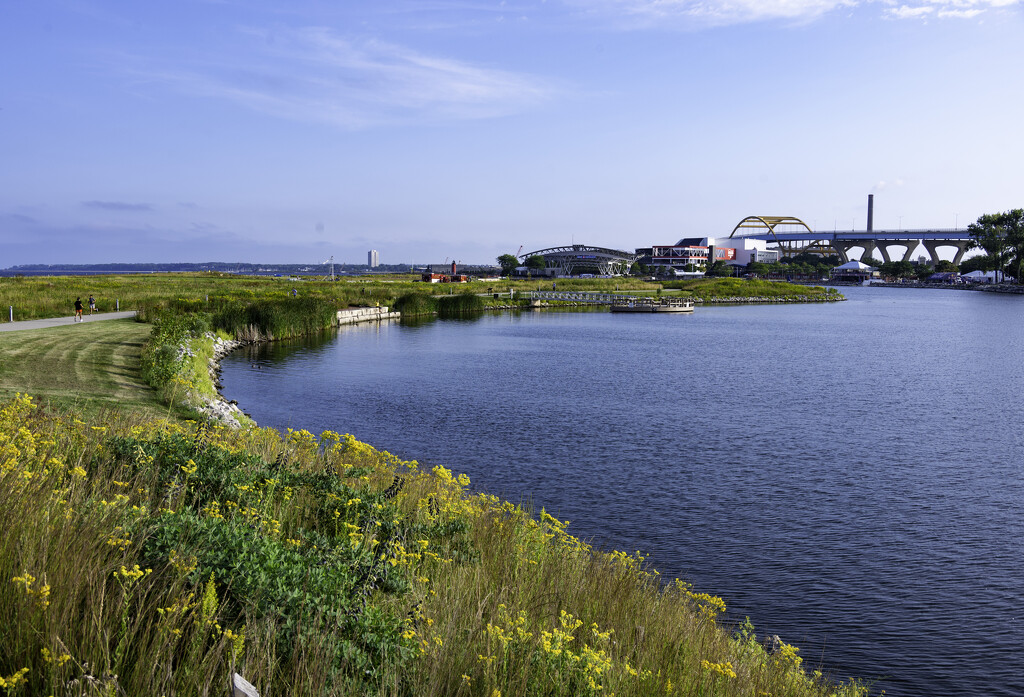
274 318
460 305
416 304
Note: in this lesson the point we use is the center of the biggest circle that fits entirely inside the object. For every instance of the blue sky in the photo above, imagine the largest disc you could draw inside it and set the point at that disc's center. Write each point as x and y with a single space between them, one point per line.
216 130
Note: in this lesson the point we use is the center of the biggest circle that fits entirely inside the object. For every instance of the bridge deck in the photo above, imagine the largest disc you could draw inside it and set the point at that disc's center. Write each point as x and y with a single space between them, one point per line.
851 235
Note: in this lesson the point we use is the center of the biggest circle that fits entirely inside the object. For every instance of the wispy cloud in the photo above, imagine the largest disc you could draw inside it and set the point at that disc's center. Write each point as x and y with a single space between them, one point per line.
698 13
725 12
945 9
118 206
314 74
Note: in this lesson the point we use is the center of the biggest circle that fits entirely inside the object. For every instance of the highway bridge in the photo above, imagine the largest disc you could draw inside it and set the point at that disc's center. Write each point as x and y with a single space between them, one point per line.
874 243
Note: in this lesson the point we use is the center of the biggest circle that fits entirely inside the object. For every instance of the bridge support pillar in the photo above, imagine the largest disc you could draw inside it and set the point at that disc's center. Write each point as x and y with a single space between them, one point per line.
869 249
933 249
883 247
911 247
842 248
961 247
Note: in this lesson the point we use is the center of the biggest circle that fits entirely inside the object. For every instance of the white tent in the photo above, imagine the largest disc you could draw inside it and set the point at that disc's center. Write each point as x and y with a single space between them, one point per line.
854 266
986 277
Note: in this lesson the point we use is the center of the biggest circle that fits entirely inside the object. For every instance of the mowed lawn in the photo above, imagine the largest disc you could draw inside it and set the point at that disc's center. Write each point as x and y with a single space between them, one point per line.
86 367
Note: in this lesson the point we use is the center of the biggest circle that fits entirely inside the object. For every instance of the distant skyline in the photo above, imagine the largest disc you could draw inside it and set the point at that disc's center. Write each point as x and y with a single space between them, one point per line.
429 129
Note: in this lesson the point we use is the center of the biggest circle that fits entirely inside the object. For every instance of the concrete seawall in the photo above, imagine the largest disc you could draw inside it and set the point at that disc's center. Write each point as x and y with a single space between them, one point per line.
355 315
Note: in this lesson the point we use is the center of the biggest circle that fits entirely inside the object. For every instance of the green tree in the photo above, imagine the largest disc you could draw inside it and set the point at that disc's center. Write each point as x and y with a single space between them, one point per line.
758 268
718 269
897 269
871 261
536 262
945 265
981 262
923 270
508 263
1001 235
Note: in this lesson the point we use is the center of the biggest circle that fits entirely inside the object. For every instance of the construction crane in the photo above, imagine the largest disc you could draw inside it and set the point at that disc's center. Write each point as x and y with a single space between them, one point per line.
520 251
331 262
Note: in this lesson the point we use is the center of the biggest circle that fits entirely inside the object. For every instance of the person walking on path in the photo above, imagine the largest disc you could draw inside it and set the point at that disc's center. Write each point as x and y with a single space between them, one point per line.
78 310
92 304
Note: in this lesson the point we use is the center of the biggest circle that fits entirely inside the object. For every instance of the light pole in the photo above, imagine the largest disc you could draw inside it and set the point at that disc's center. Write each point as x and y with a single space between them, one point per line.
900 228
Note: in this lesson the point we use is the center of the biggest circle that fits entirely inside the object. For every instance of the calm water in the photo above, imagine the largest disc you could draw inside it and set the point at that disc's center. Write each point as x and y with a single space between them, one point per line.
851 476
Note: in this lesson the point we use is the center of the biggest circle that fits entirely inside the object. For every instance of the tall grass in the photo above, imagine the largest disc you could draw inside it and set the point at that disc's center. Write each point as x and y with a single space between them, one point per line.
461 305
54 296
274 318
151 558
415 304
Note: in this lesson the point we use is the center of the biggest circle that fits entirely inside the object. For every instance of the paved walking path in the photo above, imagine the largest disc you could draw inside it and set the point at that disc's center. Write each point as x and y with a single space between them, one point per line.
61 321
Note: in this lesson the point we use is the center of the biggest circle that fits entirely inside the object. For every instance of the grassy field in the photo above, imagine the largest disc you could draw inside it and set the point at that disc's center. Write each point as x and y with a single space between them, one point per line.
85 368
53 296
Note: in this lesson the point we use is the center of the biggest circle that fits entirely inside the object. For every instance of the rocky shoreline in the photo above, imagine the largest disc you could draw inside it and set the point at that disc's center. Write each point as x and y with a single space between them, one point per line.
217 408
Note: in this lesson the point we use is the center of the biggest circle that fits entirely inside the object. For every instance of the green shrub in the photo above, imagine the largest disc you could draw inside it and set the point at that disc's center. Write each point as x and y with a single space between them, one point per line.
165 353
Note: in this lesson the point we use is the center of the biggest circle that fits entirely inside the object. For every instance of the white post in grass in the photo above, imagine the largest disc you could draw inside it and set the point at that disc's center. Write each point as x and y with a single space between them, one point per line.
240 687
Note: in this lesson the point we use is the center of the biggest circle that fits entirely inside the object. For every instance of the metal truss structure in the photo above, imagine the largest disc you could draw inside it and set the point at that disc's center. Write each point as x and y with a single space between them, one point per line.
580 257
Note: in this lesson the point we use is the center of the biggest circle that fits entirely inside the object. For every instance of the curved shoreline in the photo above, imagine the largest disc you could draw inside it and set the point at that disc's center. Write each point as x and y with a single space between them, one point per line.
227 412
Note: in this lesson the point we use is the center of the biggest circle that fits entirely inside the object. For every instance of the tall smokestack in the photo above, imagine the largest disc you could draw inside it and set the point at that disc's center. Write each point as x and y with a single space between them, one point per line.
871 212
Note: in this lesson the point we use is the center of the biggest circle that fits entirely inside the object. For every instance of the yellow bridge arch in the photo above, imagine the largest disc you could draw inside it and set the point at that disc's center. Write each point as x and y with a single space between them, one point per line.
768 223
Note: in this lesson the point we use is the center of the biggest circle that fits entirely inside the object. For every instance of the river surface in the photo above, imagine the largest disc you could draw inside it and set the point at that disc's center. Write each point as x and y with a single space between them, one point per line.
848 475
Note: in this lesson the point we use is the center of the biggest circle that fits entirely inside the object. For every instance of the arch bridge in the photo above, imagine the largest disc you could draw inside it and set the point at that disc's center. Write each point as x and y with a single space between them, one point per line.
840 242
574 258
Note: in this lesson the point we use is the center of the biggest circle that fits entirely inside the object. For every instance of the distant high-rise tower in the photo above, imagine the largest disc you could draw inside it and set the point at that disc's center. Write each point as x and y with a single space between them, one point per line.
371 259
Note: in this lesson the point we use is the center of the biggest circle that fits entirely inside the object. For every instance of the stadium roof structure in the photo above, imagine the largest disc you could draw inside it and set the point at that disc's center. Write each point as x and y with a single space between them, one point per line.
571 258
